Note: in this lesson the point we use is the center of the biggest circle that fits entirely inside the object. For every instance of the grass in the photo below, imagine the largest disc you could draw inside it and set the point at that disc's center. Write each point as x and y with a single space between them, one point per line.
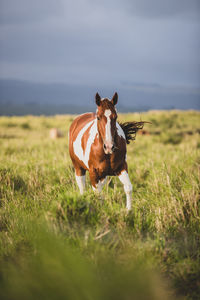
56 244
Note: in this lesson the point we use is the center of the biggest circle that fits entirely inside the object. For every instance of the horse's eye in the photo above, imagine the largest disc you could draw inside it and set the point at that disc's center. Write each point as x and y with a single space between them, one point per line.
98 118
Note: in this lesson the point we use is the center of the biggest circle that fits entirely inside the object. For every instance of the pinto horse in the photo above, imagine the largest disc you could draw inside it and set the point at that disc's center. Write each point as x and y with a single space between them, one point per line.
97 143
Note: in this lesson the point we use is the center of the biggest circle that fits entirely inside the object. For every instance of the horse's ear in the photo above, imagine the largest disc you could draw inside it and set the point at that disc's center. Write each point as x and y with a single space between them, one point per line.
114 99
98 99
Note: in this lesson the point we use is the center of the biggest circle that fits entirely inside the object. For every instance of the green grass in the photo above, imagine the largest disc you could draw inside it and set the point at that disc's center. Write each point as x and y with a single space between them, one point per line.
56 244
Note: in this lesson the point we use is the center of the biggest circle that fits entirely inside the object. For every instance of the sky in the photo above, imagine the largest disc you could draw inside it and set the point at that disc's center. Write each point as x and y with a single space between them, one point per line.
109 42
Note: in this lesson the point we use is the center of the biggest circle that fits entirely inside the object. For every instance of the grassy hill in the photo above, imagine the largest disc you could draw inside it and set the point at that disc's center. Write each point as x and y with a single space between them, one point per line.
56 244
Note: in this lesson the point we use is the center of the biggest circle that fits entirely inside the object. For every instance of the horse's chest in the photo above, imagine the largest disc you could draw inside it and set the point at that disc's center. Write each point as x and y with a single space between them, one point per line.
106 165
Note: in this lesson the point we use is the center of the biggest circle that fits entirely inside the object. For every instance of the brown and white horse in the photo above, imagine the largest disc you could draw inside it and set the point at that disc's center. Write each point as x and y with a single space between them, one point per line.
97 143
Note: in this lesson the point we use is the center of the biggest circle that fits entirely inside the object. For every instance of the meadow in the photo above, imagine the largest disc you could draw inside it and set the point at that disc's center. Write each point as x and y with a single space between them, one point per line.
57 244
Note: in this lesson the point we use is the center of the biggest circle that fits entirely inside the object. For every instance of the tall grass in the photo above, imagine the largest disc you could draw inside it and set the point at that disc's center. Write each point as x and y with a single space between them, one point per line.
55 243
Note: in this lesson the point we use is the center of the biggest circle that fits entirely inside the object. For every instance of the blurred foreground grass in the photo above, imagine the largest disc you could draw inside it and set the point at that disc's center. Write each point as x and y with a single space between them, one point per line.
56 244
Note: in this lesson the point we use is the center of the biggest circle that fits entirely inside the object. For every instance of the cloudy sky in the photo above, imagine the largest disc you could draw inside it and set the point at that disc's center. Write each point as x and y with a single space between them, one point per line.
107 42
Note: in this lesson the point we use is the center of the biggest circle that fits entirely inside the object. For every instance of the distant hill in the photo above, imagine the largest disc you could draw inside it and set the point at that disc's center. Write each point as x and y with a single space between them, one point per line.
23 97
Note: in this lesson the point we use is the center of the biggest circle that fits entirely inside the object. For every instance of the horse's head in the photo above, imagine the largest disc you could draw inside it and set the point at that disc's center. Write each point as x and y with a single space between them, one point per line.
106 121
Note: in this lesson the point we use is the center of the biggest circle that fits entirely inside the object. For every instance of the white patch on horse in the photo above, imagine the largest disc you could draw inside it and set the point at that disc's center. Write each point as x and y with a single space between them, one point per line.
92 134
81 183
120 131
107 114
78 150
124 178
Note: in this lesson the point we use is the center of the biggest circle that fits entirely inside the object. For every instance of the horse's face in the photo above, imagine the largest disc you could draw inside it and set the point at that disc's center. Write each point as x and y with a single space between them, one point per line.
106 122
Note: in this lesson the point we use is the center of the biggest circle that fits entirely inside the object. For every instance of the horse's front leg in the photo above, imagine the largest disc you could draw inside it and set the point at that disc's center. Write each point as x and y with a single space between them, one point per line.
100 184
124 178
97 183
80 179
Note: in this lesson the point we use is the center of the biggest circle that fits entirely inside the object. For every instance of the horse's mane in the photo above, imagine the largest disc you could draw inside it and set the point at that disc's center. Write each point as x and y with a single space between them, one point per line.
130 129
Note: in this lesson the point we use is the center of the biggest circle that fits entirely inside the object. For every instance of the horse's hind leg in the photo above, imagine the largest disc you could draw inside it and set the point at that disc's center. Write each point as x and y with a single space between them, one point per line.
124 178
80 179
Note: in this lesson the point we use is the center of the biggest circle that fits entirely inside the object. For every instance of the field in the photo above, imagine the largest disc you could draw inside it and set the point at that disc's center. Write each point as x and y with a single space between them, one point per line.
56 244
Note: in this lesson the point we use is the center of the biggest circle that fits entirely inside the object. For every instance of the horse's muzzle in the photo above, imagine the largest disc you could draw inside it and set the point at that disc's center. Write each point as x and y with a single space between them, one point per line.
109 148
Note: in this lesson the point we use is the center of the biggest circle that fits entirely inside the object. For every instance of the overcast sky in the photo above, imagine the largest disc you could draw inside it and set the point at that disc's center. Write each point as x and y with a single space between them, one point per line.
107 42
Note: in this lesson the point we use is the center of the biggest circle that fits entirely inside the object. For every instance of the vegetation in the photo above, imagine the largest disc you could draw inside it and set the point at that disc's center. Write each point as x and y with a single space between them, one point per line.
56 244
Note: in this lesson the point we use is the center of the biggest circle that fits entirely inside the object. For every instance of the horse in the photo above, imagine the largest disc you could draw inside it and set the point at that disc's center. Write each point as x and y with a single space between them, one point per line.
97 143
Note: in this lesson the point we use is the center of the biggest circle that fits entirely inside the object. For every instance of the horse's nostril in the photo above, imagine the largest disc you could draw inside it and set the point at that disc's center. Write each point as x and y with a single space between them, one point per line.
104 146
113 148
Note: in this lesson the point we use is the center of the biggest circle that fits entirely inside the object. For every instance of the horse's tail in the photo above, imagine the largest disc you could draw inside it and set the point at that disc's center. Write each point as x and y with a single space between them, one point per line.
130 129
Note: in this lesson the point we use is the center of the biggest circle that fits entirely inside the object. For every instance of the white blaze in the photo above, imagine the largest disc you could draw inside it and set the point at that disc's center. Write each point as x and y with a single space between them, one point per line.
107 114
